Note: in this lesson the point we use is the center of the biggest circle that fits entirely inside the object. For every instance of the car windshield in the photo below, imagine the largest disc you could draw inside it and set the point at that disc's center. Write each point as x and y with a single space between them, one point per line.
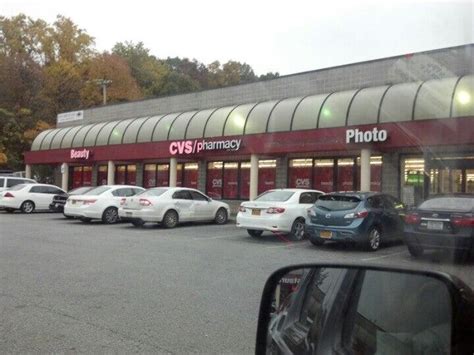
337 202
98 190
275 196
458 204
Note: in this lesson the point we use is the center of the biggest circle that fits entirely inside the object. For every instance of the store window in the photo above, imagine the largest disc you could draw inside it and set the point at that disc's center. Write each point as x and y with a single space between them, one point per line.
214 179
231 180
102 175
191 175
244 180
163 175
300 173
149 175
413 180
179 175
266 175
126 174
375 173
323 175
80 176
345 174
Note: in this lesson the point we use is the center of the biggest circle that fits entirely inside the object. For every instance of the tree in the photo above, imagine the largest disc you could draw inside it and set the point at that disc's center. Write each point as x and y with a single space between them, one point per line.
123 86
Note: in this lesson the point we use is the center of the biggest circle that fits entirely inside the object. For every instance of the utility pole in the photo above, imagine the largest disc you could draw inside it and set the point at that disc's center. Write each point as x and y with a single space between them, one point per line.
104 83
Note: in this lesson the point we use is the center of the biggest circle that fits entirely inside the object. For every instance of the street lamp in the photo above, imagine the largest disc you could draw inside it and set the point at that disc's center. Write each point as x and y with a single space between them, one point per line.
104 83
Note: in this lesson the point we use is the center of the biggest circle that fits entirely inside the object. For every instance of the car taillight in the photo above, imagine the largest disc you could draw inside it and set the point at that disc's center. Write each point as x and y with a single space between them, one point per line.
88 202
275 210
412 218
144 202
8 194
361 214
242 209
462 221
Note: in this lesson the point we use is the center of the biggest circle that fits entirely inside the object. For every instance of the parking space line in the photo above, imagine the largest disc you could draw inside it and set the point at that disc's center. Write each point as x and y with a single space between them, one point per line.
384 256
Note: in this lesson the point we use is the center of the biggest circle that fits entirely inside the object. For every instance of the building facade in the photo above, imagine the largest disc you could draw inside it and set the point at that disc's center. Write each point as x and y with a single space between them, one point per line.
401 125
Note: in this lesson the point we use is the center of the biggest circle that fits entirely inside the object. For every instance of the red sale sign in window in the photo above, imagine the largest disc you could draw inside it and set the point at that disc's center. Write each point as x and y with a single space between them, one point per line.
299 174
162 175
323 179
214 180
244 180
266 175
87 176
191 174
231 180
345 174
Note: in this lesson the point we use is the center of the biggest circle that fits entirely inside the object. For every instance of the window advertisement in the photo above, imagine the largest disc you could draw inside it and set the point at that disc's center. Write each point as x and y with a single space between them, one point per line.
323 178
244 180
231 180
191 174
102 175
149 175
131 174
87 176
214 179
413 180
163 175
120 174
299 173
76 177
345 174
376 173
266 175
179 175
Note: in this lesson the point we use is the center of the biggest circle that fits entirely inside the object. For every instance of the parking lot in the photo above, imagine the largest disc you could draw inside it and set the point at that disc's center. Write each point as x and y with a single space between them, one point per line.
67 286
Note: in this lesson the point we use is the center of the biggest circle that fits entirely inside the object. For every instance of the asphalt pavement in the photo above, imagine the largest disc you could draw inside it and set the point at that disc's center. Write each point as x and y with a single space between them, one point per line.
67 286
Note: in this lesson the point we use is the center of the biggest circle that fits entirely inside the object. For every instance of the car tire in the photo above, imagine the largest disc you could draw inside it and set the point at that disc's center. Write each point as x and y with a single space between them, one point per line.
221 216
27 207
298 230
254 233
138 222
374 239
85 219
170 219
316 241
415 250
110 215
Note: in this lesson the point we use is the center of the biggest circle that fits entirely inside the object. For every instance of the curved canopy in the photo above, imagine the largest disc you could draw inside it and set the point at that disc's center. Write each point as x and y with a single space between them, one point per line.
442 98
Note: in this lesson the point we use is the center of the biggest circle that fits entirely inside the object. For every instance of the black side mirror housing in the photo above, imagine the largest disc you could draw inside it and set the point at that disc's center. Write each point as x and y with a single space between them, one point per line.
335 308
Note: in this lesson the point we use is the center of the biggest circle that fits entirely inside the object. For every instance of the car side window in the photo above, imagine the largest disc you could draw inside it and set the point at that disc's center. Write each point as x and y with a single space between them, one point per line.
2 182
309 197
198 196
182 195
136 191
38 189
55 191
375 202
124 192
13 182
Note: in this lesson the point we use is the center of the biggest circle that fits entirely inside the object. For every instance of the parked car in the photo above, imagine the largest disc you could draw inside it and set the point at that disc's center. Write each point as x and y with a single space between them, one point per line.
7 182
281 210
28 197
442 222
60 200
171 205
360 217
101 203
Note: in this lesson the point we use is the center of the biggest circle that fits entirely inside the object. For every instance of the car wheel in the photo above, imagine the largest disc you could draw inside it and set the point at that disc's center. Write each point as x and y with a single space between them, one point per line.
254 233
138 222
68 217
85 219
316 241
415 250
297 230
110 215
27 207
374 239
221 216
170 220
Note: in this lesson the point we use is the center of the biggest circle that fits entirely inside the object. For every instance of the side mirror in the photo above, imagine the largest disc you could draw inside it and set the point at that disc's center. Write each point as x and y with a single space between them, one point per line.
326 309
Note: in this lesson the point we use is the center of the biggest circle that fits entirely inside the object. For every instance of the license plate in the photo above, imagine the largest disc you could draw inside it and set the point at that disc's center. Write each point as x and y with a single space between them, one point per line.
325 234
435 225
256 212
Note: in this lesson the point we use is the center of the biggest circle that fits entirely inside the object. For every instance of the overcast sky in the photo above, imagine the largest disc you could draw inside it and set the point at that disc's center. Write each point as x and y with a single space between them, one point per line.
284 36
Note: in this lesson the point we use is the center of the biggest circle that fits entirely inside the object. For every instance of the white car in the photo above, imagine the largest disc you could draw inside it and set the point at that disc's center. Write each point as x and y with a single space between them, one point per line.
101 202
28 197
172 205
7 182
280 210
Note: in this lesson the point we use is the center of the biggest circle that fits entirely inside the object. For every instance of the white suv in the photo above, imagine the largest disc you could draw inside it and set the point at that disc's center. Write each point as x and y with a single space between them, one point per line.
9 181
